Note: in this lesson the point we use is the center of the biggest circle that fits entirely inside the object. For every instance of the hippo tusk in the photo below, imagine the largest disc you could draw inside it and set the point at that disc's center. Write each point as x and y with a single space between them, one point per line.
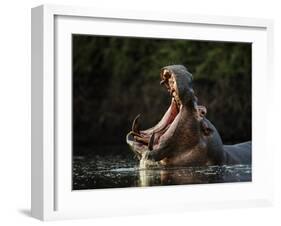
135 126
151 142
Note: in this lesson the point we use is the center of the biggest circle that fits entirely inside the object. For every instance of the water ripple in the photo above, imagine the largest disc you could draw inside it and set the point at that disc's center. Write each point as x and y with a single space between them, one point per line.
117 171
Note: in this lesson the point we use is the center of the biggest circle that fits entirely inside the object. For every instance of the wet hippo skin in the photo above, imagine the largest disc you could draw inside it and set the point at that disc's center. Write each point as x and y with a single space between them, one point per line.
184 136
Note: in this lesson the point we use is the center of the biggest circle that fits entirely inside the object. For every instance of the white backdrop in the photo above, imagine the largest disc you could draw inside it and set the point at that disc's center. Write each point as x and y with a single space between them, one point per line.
15 112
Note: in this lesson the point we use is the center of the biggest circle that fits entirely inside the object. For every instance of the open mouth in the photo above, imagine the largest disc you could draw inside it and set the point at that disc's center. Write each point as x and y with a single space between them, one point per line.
152 138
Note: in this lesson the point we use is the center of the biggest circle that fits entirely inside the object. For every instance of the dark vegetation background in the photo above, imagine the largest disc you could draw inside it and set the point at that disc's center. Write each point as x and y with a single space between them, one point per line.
116 78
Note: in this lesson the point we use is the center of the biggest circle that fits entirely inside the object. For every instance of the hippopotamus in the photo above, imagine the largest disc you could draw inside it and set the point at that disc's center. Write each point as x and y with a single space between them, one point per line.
184 136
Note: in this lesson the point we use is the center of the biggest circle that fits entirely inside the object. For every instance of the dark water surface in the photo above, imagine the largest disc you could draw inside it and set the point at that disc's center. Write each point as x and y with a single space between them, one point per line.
119 171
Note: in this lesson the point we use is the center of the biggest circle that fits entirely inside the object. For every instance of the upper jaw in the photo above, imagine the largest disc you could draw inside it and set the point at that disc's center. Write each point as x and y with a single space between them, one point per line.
168 78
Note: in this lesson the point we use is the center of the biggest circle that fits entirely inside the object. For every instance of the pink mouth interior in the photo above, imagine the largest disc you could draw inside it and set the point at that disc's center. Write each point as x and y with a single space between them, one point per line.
161 129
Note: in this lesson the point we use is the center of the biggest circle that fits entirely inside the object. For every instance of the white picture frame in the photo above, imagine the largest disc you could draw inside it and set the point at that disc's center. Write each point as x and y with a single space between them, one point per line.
52 197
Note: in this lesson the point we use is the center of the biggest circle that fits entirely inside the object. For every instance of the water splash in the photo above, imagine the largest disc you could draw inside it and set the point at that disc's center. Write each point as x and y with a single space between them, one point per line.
119 171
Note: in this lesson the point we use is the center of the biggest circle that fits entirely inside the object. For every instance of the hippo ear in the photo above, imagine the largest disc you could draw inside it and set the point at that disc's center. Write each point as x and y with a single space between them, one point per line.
205 128
202 110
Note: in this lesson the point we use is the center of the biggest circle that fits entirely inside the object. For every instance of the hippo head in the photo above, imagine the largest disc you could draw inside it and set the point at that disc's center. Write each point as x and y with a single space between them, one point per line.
178 82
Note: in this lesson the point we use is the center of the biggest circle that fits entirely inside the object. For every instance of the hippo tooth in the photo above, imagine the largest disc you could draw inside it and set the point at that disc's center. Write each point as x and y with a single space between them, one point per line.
151 142
162 81
141 139
166 73
135 127
135 134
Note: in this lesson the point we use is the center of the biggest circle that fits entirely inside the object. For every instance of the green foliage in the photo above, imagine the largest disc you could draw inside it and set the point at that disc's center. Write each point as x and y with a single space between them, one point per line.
116 78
